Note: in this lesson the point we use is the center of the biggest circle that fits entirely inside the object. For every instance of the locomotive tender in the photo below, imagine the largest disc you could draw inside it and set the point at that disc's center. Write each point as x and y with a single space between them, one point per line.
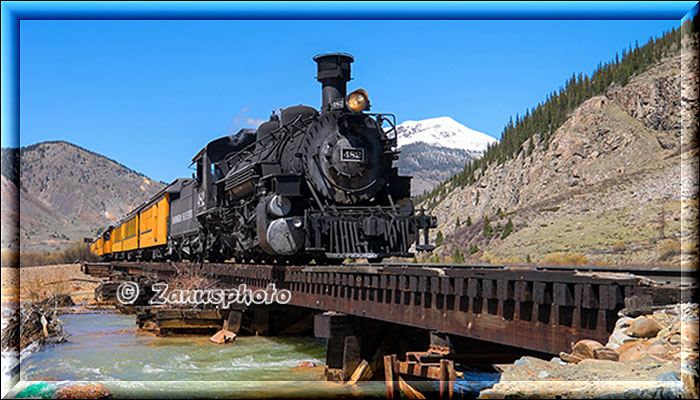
305 185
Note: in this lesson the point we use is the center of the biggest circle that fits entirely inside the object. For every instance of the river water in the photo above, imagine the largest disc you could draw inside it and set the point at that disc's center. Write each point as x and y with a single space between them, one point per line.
108 348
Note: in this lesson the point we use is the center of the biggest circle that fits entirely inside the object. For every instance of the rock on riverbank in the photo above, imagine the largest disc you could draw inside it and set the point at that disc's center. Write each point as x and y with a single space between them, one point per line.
651 356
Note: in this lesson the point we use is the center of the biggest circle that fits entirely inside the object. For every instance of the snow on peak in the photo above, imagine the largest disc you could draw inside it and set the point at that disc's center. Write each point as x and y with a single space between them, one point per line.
445 132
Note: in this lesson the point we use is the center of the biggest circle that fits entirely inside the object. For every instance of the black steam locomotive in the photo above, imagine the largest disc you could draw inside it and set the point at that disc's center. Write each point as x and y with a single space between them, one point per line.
305 185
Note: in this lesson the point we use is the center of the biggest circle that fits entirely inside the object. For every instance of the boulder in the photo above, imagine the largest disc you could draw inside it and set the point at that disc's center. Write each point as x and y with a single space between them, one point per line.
632 350
606 353
570 358
644 327
223 336
637 305
661 350
669 330
585 348
84 391
306 364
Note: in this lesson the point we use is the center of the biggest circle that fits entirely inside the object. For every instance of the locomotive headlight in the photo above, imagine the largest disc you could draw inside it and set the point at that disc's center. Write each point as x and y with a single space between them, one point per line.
358 100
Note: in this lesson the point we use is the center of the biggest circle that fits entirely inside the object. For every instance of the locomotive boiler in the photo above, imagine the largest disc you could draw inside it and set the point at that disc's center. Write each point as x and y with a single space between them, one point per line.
306 185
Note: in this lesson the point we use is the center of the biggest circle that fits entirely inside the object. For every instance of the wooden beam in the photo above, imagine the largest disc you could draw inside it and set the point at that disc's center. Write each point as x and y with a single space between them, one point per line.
358 372
423 370
447 379
392 387
261 321
409 390
351 355
384 347
233 322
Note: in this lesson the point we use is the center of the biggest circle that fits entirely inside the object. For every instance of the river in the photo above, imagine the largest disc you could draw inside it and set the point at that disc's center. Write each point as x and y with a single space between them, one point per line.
108 348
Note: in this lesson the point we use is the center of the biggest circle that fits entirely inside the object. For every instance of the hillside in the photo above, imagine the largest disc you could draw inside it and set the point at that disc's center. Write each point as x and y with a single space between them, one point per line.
432 150
615 183
67 193
430 164
10 196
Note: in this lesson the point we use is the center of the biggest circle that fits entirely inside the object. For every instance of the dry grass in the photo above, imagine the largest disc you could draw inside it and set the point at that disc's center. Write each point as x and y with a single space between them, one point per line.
669 248
189 279
75 252
489 259
36 283
192 278
561 258
619 247
494 259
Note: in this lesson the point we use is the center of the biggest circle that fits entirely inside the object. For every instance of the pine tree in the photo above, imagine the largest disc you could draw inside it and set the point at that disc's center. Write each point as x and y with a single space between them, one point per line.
528 259
438 239
457 256
469 221
488 230
457 223
473 249
507 229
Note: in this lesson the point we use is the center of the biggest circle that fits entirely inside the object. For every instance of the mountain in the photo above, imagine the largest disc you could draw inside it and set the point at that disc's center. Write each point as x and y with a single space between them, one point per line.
616 183
443 132
67 193
10 204
434 149
429 164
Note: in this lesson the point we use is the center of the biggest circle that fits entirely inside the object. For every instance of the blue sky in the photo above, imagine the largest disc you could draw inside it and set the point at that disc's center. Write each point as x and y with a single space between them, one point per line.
150 94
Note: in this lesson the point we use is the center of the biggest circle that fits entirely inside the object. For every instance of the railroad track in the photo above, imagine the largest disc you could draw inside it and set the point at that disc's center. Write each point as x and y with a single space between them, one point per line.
662 275
541 308
658 274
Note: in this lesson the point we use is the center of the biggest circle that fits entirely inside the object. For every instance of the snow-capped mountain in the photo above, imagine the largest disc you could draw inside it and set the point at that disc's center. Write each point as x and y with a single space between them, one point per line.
443 132
432 150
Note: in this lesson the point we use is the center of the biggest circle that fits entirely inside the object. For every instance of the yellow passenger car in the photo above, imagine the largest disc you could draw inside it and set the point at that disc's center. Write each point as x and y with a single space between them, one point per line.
153 223
130 233
117 242
96 247
107 243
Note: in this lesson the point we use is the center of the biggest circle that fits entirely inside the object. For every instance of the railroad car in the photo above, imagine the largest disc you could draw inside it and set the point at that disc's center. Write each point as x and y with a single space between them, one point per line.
306 185
97 246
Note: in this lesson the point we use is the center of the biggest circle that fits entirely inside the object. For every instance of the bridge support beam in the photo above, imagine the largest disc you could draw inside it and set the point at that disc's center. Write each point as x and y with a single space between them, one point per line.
352 340
261 320
343 348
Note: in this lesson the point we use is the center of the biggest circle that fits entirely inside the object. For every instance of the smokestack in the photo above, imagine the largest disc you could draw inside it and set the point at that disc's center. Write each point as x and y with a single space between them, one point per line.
333 73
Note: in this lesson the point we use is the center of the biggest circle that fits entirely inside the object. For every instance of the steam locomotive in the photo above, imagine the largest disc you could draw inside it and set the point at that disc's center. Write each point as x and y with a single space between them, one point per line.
304 185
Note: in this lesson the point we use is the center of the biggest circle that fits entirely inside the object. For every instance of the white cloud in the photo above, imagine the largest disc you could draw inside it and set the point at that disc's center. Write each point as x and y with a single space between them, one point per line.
254 122
243 120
